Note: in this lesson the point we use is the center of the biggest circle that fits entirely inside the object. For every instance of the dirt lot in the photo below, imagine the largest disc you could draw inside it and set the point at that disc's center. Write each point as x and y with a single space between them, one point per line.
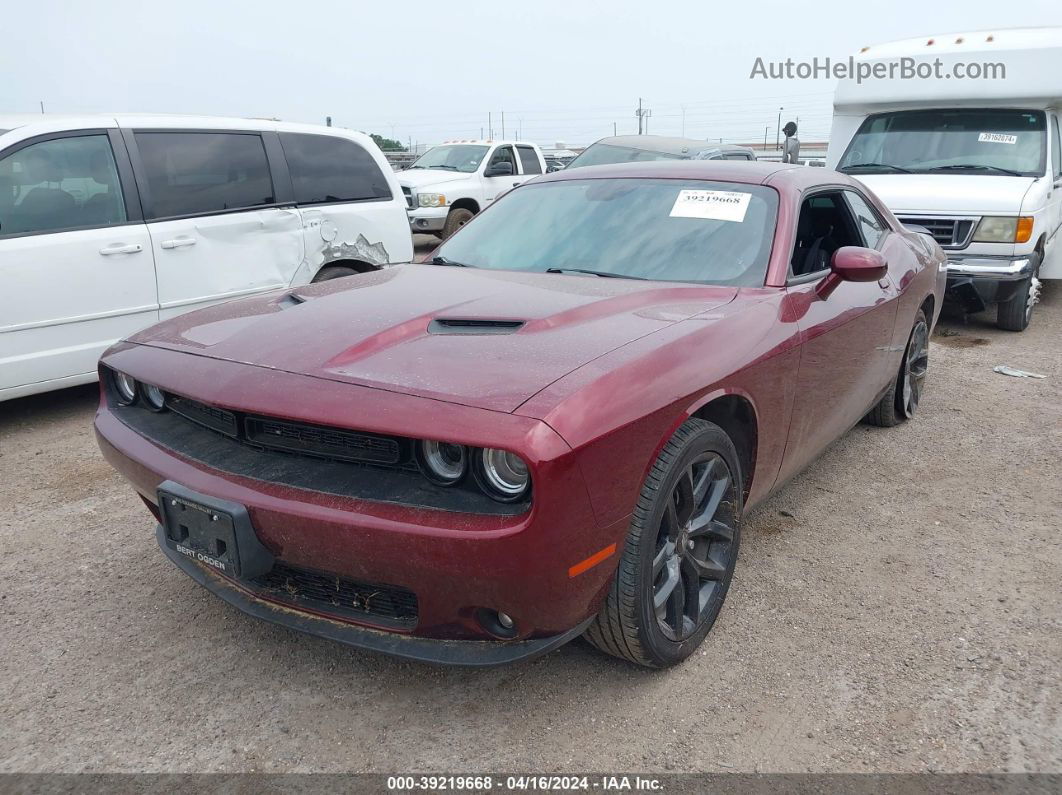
896 608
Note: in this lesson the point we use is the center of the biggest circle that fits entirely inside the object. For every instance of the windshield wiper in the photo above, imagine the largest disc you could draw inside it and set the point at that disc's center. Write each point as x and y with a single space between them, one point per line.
975 167
450 263
604 274
885 166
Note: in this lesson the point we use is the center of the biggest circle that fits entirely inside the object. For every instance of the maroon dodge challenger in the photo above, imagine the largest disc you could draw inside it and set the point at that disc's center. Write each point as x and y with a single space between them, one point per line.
551 429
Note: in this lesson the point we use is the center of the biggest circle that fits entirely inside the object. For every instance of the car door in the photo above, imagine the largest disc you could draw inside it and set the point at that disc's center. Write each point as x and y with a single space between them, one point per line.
218 230
847 337
495 186
75 258
1052 264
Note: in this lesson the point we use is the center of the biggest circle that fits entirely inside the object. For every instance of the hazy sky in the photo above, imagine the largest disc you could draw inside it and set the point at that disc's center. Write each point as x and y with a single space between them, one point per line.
427 71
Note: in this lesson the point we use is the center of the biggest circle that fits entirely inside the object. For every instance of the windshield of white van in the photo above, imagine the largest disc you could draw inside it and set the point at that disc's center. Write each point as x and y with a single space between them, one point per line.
463 157
961 141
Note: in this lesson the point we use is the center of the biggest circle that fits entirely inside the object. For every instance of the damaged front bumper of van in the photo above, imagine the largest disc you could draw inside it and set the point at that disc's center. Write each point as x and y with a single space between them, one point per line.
977 282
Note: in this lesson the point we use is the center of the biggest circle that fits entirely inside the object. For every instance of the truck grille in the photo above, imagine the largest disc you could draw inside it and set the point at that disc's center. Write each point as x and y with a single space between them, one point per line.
330 593
408 193
949 232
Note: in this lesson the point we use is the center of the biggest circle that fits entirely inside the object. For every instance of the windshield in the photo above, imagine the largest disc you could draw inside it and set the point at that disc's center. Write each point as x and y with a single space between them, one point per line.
1001 142
603 154
462 157
660 229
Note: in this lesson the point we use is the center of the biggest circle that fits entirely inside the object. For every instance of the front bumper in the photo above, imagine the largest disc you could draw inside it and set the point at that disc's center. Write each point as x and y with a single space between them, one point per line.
977 282
427 219
455 563
471 653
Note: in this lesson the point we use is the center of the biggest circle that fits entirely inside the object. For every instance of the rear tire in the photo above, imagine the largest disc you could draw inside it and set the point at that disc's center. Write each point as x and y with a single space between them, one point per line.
680 553
334 272
457 218
901 401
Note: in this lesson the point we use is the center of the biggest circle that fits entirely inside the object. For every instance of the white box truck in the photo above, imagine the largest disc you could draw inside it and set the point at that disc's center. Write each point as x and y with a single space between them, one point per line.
959 134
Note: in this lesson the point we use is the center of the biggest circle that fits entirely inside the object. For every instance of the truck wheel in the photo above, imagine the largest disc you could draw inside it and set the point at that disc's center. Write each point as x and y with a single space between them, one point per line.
1015 314
680 552
457 218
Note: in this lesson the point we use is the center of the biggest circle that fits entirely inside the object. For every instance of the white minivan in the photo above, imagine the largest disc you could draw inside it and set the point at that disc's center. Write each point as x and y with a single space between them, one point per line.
967 146
111 223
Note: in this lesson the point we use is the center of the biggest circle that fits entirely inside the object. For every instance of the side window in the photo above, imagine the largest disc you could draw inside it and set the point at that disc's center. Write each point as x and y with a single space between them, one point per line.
65 183
825 225
192 173
327 168
529 160
503 154
1058 151
870 225
736 156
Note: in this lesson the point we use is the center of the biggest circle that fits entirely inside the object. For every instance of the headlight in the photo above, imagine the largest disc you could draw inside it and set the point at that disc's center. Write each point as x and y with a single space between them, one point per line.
153 397
503 475
999 229
126 388
431 200
441 462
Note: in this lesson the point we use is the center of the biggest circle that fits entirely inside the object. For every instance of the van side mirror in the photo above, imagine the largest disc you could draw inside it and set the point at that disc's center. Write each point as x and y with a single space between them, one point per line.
503 169
853 264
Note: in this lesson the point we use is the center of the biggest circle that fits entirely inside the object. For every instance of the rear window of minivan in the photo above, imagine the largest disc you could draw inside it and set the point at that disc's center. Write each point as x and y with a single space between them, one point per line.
327 168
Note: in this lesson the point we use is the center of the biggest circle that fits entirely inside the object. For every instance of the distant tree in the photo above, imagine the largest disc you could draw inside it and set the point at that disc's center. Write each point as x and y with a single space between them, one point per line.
387 144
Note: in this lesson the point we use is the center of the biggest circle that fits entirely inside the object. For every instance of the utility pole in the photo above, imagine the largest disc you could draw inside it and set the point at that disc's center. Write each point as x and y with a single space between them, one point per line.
503 125
765 129
490 127
778 131
613 129
42 106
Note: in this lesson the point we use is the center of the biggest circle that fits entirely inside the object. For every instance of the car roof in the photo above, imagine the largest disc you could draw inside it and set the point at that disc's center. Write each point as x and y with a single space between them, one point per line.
668 144
783 176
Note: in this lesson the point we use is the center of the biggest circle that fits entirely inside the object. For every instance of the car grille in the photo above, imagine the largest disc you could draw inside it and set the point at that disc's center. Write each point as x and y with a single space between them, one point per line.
408 193
208 416
949 232
327 442
330 593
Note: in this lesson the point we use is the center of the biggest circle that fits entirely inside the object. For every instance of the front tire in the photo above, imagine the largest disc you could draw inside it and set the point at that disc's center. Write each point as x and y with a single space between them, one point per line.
457 218
901 401
1015 314
680 553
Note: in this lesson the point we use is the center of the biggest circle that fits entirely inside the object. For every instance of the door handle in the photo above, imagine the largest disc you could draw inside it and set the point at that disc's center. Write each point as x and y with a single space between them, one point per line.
178 242
121 248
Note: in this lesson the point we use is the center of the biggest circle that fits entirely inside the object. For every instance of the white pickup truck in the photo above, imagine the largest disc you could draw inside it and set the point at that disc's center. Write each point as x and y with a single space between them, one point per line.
450 183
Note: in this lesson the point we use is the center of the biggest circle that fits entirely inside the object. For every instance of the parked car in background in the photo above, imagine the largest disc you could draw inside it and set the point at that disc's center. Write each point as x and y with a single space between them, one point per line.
553 428
449 184
976 162
641 148
112 223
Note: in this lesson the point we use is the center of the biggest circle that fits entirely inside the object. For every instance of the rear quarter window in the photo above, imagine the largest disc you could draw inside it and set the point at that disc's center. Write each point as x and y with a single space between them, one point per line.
326 168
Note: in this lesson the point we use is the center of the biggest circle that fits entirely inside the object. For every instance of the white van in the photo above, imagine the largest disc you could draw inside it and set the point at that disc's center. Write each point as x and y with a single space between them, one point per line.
109 224
972 154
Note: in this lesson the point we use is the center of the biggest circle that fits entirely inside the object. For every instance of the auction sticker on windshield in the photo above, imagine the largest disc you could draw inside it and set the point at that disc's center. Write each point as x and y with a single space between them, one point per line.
714 205
996 138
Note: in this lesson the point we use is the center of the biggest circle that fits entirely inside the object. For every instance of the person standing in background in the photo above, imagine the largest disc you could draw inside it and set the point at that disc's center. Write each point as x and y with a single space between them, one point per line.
791 147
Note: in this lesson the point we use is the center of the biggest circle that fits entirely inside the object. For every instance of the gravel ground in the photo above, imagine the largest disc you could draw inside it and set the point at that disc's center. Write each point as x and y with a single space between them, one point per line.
896 608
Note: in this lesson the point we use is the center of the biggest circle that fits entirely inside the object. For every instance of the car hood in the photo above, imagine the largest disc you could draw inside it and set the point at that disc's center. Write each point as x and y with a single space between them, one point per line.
956 194
417 177
490 339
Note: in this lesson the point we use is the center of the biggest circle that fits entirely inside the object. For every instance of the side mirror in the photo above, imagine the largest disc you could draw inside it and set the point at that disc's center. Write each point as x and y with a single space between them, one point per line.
504 169
853 264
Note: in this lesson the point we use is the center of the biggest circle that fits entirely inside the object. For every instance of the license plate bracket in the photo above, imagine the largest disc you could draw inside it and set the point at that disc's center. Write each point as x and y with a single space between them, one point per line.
211 531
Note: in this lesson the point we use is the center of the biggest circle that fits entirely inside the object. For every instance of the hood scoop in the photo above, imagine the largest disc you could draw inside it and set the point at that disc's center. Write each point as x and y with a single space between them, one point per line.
473 326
